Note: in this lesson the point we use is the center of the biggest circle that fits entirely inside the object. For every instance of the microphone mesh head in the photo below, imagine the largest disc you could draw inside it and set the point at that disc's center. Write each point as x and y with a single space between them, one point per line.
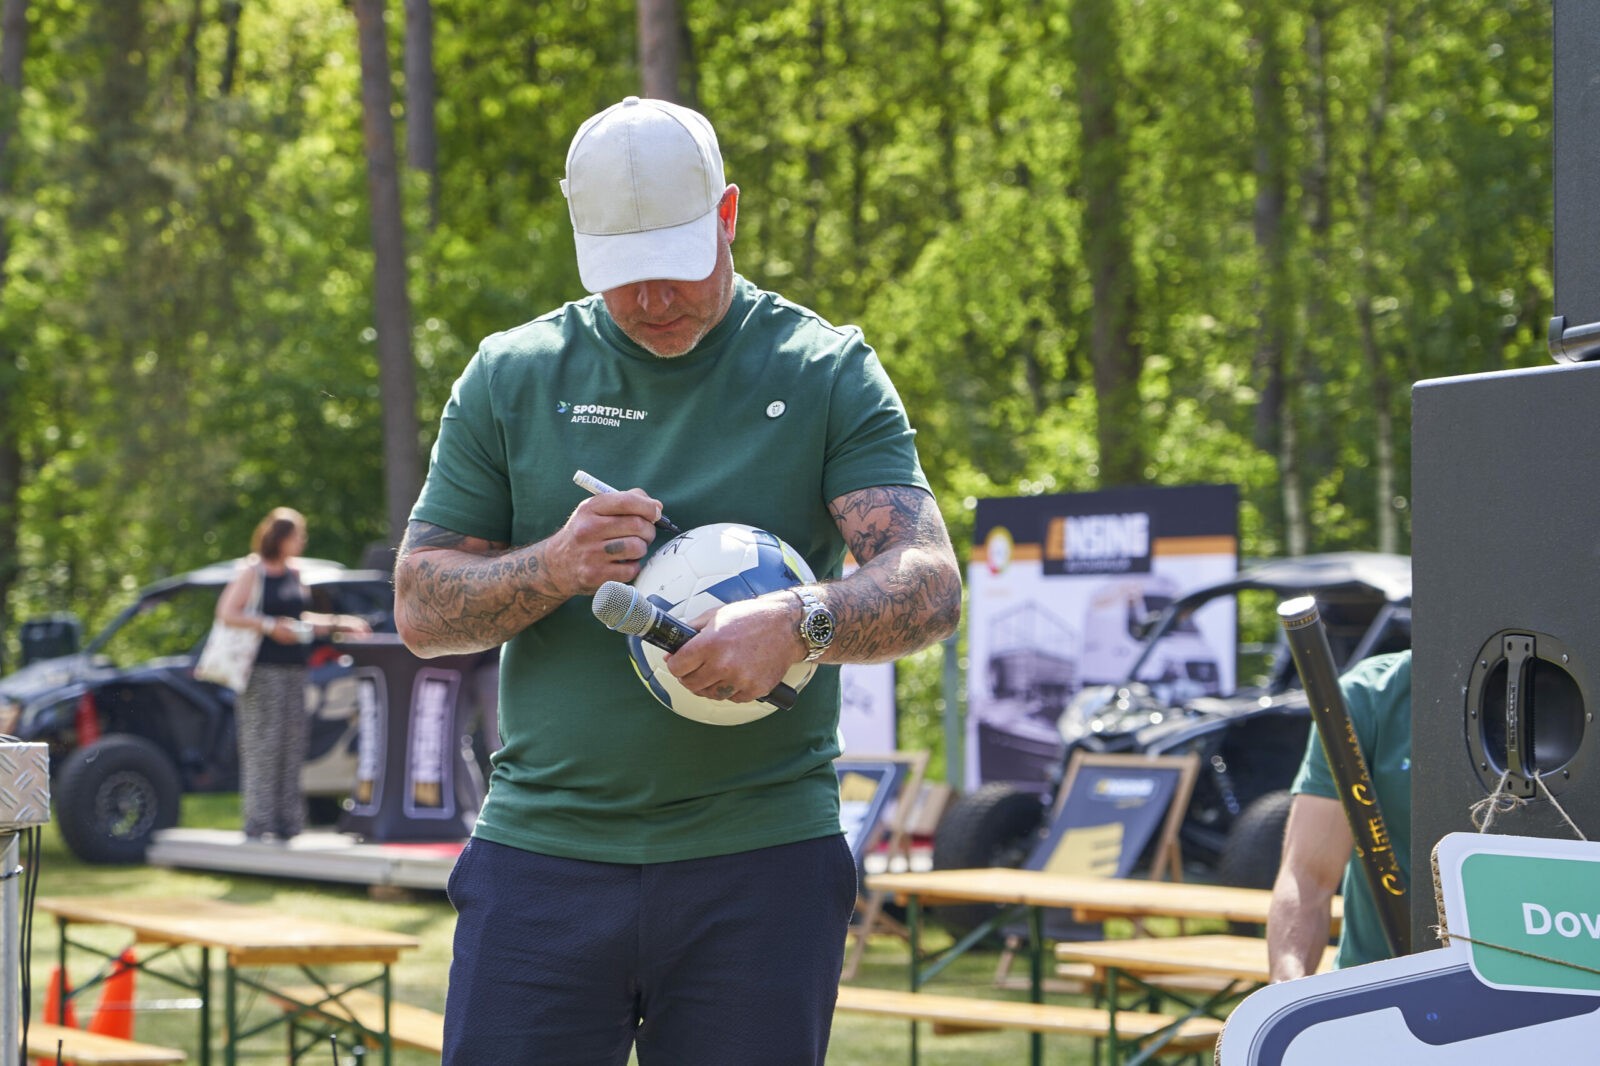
616 605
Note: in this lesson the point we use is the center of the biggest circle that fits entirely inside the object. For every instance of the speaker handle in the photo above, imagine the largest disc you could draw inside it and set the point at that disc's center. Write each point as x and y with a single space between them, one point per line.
1518 650
1538 708
1573 344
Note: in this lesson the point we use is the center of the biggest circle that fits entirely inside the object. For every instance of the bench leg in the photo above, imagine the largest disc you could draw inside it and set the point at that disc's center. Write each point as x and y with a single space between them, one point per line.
1036 976
388 1028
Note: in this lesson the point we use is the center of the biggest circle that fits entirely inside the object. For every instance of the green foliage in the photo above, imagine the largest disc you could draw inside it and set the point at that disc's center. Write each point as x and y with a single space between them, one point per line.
187 300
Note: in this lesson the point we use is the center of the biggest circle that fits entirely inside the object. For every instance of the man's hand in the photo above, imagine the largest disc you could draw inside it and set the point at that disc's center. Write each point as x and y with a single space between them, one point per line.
905 595
605 539
742 650
455 593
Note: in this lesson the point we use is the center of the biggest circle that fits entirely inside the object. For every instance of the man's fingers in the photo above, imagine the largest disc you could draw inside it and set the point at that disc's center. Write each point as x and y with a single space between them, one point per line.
634 503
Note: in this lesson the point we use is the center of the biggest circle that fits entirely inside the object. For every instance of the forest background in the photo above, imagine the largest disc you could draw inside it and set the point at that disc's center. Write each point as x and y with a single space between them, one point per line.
247 245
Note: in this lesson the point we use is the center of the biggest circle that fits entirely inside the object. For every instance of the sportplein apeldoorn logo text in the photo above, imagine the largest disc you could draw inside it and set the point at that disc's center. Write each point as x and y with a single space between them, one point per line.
599 414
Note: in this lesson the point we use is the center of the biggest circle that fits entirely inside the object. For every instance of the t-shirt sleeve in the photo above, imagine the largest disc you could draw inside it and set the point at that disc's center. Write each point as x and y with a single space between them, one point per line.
467 490
1316 777
870 439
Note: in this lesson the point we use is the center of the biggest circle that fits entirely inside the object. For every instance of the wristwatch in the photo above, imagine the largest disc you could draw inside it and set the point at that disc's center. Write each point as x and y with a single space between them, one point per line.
816 625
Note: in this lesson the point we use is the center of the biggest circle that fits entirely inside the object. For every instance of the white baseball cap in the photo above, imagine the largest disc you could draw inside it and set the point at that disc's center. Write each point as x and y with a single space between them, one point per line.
644 178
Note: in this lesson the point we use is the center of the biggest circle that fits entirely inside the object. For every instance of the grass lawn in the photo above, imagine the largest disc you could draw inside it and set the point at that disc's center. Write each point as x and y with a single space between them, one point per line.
420 975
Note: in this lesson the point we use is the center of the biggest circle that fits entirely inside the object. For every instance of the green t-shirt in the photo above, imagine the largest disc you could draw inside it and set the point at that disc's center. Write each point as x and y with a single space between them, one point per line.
774 414
1378 694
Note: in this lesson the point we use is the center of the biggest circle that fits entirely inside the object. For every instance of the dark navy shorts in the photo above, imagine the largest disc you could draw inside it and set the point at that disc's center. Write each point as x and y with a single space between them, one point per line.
727 961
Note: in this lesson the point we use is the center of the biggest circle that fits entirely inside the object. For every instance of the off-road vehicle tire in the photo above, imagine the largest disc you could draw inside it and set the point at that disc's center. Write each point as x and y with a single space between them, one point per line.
112 796
996 825
1254 847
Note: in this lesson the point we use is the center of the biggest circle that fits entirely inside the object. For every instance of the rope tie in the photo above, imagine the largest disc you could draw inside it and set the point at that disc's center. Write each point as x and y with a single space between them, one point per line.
1444 934
1483 814
1501 801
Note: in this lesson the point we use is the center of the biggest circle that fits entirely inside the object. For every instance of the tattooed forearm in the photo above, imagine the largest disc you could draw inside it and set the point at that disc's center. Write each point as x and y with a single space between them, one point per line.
461 594
907 592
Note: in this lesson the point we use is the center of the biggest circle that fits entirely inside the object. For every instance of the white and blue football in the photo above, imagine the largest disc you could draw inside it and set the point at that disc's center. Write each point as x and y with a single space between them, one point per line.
693 573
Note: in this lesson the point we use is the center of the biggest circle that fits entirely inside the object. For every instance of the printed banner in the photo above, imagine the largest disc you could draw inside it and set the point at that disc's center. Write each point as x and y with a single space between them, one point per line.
866 707
1058 587
416 778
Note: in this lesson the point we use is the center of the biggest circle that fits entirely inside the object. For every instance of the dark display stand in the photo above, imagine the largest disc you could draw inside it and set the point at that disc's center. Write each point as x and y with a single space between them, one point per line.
1575 328
416 778
1506 540
1505 606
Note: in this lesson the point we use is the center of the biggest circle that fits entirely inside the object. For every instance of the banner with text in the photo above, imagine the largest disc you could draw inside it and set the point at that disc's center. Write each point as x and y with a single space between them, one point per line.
1057 589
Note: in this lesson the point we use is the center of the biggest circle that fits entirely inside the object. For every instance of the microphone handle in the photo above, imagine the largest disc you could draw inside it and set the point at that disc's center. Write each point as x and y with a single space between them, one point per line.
666 632
670 634
781 697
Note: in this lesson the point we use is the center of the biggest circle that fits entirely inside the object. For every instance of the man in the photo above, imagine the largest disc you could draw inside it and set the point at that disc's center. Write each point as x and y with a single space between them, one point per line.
1318 847
636 877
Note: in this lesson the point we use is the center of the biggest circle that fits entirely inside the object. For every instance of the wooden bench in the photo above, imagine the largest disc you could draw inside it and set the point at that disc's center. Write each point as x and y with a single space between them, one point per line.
954 1013
409 1026
93 1049
1085 979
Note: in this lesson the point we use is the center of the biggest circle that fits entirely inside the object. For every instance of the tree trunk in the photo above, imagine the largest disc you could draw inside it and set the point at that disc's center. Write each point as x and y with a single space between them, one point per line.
1115 352
190 61
661 49
231 10
1378 374
422 141
13 49
1295 524
1317 192
1273 285
397 388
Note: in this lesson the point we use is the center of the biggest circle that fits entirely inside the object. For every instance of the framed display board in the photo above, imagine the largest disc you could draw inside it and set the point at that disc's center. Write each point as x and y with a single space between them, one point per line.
868 786
877 794
1110 807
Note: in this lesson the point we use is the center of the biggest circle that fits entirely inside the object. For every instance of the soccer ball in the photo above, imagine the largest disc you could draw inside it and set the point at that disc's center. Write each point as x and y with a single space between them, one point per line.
696 571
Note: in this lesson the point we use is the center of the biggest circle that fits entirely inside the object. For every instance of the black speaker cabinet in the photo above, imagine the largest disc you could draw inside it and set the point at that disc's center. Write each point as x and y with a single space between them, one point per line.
1575 328
1505 607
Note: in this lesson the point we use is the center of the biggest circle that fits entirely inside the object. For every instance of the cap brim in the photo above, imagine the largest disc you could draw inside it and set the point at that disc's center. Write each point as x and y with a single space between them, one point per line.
679 253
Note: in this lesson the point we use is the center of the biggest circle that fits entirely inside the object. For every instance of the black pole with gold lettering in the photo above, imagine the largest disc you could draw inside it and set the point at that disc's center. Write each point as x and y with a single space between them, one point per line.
1308 641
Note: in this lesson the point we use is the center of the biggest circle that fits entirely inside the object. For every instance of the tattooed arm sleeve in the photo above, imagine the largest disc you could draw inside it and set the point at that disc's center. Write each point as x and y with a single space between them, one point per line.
455 593
906 594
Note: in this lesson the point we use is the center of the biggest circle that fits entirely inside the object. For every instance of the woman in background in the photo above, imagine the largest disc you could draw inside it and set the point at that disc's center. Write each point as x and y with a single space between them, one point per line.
271 711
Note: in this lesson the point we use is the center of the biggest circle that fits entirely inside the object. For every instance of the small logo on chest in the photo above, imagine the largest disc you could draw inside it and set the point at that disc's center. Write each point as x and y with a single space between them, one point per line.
599 414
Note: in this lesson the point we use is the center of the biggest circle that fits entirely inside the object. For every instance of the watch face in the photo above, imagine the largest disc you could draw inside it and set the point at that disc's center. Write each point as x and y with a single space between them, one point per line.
819 628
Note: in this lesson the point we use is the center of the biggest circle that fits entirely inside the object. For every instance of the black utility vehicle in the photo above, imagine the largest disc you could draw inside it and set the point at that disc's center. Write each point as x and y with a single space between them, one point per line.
1250 743
130 729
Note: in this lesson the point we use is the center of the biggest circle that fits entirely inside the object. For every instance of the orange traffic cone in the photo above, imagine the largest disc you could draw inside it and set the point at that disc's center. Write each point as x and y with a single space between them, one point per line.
57 987
114 1015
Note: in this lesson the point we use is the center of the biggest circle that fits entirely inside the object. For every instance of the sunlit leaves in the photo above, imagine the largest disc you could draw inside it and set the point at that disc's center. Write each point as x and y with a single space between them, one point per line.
189 298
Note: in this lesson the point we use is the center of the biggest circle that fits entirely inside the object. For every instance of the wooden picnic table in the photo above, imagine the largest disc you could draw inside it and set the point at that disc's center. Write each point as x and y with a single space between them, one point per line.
1033 892
251 941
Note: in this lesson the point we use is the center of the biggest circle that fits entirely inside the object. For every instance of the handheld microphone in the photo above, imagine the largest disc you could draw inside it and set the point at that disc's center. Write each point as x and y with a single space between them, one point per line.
620 608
